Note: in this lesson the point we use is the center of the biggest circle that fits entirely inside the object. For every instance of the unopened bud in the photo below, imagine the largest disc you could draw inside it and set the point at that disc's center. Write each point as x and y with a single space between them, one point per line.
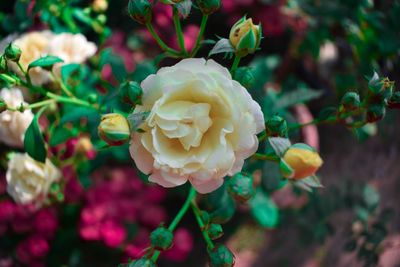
161 238
131 93
300 161
350 101
114 129
140 10
100 5
276 126
221 256
215 231
240 186
379 89
376 112
208 7
245 37
12 52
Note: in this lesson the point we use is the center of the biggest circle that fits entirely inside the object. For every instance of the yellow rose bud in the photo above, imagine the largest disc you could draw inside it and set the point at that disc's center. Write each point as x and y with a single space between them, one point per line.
245 37
303 160
114 129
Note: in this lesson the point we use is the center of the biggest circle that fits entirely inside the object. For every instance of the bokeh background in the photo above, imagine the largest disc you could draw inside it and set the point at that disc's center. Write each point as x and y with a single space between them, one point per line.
312 52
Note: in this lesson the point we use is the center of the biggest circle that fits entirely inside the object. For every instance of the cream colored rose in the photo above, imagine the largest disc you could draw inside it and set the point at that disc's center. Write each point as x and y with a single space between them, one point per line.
202 125
29 180
13 124
72 48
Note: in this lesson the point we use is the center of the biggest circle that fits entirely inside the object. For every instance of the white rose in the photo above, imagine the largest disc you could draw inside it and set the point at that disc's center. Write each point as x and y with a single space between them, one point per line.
29 180
202 125
72 48
33 46
13 124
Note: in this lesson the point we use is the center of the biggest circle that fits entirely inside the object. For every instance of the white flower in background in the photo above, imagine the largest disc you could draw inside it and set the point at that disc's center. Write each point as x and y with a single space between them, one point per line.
13 124
72 48
202 125
33 46
29 180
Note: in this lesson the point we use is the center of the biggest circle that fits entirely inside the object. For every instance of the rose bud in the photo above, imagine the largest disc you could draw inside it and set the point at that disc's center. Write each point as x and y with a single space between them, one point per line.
394 101
240 186
350 101
276 126
300 161
161 238
140 10
12 52
208 7
375 112
100 6
114 129
131 93
379 90
141 263
245 37
215 231
221 256
245 76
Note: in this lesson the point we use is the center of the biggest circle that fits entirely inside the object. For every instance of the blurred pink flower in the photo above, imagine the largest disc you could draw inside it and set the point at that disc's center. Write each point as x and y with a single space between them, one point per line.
46 223
113 233
153 215
183 244
32 249
7 210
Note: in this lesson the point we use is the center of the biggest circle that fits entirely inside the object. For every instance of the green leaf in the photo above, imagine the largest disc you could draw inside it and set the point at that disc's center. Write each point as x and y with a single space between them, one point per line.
116 62
68 70
222 46
77 113
184 8
33 142
300 95
279 144
45 62
136 119
60 135
264 209
371 197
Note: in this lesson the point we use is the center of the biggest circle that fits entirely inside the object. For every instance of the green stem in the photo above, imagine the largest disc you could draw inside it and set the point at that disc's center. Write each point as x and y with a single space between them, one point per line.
235 65
178 29
203 25
202 226
160 42
41 103
25 73
270 157
178 218
64 88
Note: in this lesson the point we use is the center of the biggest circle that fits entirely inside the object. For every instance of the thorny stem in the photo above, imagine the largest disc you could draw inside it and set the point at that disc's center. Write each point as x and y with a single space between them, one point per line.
178 218
235 65
207 239
203 25
178 29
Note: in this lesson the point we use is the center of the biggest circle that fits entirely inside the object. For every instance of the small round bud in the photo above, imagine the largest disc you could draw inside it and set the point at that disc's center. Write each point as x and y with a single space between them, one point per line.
240 186
140 10
161 238
215 231
245 37
221 256
276 126
92 98
141 263
394 101
114 129
3 65
131 93
208 7
245 76
350 101
300 161
375 113
12 52
3 106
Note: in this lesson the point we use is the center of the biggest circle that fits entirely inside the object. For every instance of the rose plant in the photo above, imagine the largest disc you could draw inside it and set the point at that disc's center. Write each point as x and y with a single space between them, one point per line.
74 105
